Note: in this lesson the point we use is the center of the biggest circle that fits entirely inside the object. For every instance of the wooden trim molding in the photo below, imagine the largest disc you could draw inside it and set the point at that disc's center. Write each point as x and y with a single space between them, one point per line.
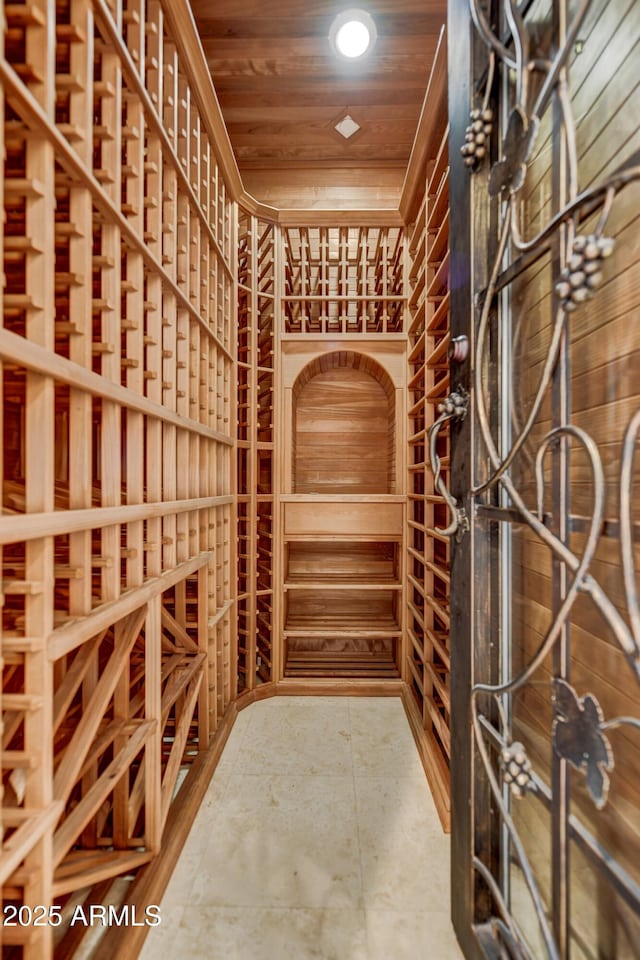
429 128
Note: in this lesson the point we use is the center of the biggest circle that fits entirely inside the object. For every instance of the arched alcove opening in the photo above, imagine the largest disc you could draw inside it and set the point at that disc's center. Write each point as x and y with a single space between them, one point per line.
343 426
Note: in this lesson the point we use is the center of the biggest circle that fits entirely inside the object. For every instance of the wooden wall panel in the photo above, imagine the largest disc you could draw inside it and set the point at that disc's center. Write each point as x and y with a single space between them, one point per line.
343 419
603 395
326 188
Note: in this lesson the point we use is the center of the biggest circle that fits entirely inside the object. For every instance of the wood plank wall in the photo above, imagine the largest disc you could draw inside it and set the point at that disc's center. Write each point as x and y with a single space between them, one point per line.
344 428
117 366
604 390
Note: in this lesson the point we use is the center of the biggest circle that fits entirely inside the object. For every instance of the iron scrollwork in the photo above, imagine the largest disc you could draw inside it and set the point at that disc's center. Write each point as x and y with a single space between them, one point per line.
453 407
578 726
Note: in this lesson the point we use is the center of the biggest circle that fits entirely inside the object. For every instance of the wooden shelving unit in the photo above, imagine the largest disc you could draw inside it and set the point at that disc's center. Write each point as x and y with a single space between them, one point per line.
117 373
343 310
343 594
343 280
255 433
428 580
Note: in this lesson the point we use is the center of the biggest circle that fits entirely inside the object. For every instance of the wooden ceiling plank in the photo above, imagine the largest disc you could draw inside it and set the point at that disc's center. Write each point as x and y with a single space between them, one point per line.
298 67
319 113
404 46
388 24
306 97
297 10
247 133
304 154
376 89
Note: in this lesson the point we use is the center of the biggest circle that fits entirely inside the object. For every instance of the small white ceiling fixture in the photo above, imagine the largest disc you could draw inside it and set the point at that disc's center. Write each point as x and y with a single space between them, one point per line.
347 127
353 34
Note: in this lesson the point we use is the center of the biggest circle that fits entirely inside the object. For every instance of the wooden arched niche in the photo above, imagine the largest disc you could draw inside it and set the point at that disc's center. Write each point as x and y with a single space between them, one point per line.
343 426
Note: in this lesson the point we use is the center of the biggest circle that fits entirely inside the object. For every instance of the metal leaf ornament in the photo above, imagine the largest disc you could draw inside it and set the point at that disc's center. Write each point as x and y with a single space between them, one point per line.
508 174
578 738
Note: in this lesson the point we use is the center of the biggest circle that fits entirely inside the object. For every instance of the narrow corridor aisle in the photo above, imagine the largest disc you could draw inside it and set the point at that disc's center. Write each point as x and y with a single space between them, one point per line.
317 838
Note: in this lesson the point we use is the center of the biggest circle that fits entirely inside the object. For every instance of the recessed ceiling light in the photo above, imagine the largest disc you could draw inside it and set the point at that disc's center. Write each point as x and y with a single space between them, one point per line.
353 34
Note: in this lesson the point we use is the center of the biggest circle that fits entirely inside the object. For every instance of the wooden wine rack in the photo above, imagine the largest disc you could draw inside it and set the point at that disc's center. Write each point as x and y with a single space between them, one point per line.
117 373
428 581
147 321
343 280
255 426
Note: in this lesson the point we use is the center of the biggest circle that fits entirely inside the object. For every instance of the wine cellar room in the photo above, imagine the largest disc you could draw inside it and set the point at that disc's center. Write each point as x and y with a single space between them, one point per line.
319 409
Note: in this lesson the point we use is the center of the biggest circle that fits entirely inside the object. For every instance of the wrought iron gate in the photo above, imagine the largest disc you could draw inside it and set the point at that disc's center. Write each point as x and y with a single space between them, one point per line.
545 280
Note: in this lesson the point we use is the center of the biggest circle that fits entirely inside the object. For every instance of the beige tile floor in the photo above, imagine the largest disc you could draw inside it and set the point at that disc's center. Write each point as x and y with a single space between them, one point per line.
318 838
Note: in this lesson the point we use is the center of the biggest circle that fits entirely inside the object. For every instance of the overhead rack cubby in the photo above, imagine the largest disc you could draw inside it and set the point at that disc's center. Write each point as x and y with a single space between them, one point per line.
343 280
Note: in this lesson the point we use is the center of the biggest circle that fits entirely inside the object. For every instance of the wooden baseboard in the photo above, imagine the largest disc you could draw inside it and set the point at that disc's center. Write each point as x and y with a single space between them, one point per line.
436 770
338 687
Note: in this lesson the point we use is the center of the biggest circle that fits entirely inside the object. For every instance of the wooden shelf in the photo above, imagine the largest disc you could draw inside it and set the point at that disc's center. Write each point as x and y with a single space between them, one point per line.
337 585
306 628
320 664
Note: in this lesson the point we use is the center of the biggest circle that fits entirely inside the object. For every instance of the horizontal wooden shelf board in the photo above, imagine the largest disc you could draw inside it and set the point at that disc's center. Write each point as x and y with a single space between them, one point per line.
301 630
321 664
342 498
346 584
341 537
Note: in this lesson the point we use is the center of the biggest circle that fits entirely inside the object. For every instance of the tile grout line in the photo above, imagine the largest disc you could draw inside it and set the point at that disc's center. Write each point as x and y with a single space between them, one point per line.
358 836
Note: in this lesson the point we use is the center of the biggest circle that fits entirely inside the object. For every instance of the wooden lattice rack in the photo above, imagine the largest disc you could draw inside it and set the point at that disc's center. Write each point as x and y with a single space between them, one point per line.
343 280
255 426
428 579
118 553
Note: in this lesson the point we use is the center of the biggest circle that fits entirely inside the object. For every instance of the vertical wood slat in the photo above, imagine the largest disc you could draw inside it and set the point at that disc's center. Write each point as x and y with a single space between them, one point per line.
39 470
153 711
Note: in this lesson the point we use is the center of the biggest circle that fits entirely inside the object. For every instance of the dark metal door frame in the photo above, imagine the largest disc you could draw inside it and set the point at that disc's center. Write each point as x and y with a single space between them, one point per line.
483 194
